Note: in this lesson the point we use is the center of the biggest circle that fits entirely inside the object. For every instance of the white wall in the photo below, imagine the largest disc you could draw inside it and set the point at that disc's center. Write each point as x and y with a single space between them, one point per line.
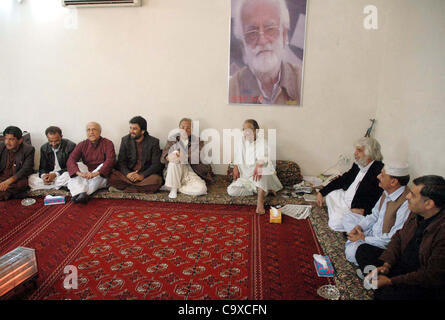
411 107
169 59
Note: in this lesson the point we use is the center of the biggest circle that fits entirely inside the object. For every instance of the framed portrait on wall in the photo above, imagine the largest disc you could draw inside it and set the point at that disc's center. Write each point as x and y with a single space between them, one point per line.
266 52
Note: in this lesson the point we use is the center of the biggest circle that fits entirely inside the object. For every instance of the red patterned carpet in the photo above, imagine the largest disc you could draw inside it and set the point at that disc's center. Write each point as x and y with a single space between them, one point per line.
130 249
14 218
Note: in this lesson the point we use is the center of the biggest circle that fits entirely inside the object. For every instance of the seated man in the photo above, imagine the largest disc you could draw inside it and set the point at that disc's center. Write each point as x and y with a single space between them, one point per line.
413 265
358 189
98 159
182 174
16 163
370 237
253 172
139 168
53 157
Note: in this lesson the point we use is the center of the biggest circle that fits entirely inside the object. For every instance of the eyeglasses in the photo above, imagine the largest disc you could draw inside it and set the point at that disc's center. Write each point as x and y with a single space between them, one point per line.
271 33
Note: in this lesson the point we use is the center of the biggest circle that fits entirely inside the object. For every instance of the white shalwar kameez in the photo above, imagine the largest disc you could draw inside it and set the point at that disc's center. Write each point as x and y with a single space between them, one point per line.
182 177
247 155
339 201
61 180
79 185
372 225
36 183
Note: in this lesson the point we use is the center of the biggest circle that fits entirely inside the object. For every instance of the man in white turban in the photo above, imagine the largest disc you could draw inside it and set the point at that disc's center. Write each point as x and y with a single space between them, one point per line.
368 238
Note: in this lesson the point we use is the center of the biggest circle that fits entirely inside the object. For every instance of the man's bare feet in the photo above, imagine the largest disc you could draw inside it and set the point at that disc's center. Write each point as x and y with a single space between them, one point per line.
260 210
260 202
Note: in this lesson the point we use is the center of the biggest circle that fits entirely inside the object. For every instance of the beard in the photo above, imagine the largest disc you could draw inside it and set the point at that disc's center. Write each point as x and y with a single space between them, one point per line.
249 136
135 136
265 60
362 162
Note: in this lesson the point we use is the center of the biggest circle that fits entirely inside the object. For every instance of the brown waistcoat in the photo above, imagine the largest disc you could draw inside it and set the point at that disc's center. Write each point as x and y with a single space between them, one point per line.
391 210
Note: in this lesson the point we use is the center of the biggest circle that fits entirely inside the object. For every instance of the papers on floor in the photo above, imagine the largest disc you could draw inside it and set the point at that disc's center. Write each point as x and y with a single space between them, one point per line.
312 181
301 188
296 211
310 197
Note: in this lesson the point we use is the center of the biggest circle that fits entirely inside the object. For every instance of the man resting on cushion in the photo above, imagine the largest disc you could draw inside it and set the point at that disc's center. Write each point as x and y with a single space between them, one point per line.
254 172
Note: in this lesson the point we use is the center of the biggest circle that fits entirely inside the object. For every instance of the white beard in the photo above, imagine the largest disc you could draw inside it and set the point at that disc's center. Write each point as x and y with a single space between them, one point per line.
362 163
266 63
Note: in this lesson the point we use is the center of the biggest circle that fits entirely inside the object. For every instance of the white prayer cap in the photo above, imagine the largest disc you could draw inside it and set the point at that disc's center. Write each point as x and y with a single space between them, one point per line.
397 169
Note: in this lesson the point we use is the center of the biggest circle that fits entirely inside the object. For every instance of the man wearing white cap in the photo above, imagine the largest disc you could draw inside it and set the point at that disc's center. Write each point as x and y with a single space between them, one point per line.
371 235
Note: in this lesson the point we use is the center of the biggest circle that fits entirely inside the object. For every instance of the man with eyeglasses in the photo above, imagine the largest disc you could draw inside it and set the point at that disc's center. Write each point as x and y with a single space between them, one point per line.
262 26
98 159
183 172
413 265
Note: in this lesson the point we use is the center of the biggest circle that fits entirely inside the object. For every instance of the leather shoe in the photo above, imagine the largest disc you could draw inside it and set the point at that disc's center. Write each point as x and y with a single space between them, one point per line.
82 198
74 198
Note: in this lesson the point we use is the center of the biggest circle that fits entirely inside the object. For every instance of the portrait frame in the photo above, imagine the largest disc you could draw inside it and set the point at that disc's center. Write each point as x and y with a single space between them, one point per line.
283 59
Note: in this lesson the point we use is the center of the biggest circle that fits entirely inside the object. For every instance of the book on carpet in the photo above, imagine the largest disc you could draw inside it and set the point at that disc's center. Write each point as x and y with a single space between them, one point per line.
323 266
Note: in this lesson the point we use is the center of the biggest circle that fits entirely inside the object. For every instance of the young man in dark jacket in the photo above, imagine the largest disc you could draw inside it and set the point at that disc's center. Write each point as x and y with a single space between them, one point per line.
138 168
53 157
